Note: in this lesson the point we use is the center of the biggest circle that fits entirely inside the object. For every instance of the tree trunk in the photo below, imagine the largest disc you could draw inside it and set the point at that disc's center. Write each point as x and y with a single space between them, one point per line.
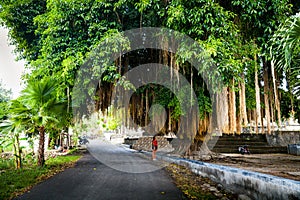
219 117
238 124
41 150
243 120
68 95
232 108
142 111
204 150
218 121
277 103
169 120
266 99
17 152
68 140
257 98
292 112
222 111
272 112
147 108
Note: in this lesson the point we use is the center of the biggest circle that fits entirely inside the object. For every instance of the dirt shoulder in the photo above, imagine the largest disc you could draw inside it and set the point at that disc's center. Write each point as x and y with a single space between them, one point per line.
282 165
197 187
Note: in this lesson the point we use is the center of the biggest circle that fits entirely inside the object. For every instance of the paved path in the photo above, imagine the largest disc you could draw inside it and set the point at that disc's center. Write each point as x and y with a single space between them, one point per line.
126 175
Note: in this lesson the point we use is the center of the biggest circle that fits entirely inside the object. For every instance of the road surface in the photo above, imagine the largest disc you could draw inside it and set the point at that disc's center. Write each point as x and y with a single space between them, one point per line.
108 172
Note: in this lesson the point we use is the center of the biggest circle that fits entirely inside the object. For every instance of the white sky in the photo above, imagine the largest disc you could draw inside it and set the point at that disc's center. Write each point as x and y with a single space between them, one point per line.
10 70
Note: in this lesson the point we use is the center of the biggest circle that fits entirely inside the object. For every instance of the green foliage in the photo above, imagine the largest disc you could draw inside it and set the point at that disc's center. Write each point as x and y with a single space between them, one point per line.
112 124
286 51
16 180
3 110
19 120
18 16
112 120
200 19
37 107
69 30
56 37
61 160
46 108
204 103
7 163
259 19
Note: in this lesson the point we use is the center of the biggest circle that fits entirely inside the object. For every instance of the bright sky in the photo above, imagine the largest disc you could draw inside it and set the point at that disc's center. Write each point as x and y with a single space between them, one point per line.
10 70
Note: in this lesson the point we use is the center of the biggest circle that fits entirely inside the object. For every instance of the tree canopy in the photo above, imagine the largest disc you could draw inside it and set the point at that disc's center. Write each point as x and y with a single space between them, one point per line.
57 37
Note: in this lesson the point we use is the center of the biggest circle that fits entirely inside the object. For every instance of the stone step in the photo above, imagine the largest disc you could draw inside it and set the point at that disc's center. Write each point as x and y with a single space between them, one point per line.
238 145
256 143
250 138
253 150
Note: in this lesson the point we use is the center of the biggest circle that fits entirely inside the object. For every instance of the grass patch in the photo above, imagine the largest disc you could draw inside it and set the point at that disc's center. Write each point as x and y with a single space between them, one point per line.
14 182
6 164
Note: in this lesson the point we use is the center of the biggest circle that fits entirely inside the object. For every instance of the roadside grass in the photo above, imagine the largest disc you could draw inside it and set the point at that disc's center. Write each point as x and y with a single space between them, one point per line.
6 163
194 186
14 182
186 182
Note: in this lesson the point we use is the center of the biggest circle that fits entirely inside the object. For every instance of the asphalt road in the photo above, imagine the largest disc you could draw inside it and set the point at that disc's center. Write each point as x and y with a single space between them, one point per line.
108 172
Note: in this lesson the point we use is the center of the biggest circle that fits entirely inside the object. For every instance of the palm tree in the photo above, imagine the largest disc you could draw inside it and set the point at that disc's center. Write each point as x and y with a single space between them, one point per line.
40 97
285 54
285 51
18 121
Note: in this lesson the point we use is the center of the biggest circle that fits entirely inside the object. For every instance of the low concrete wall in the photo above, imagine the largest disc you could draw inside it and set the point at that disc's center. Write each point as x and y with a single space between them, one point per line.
283 138
254 185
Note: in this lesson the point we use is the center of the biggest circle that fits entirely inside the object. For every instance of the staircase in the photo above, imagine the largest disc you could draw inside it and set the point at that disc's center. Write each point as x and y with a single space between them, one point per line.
257 144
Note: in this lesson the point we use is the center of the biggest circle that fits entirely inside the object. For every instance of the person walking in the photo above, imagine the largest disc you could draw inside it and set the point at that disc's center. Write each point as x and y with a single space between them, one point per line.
154 148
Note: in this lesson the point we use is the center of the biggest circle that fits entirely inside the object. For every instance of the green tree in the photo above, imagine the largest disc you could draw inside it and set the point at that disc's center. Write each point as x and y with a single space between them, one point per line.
68 31
18 17
40 97
257 21
19 119
286 51
55 37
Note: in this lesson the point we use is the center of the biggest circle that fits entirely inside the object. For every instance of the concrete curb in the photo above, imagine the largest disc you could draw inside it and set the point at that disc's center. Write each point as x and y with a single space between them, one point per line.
253 184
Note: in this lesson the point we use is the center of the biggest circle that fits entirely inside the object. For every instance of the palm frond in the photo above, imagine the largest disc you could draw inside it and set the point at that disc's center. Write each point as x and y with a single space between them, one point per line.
40 92
284 41
285 51
6 127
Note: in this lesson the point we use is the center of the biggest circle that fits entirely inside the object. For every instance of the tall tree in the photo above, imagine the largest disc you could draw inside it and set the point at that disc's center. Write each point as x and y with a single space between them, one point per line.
257 21
40 97
286 50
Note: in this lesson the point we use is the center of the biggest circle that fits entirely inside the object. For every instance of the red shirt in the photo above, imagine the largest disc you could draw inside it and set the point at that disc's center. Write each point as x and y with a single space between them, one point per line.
154 142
